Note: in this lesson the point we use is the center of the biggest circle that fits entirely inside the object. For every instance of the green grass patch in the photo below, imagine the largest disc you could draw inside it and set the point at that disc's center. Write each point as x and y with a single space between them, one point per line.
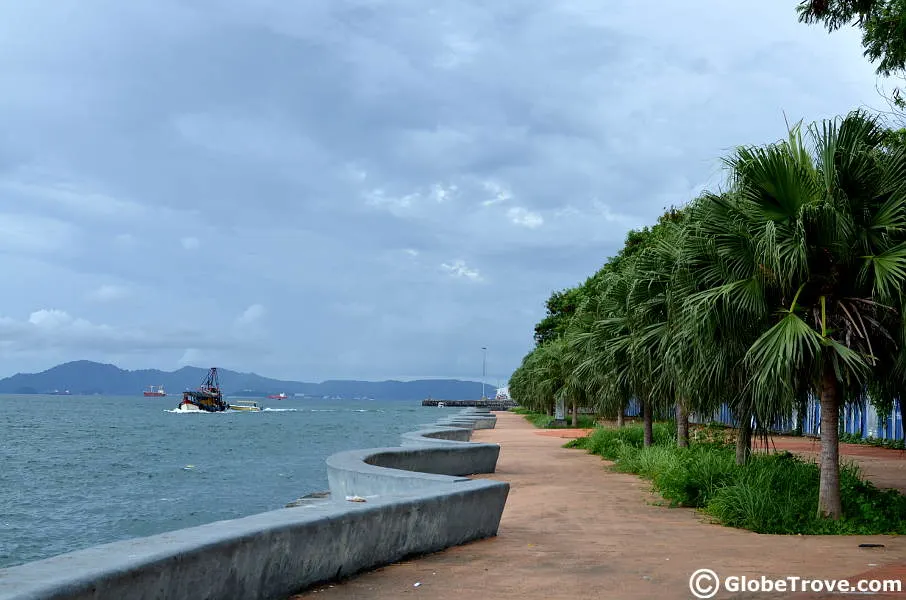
610 442
855 438
543 421
774 493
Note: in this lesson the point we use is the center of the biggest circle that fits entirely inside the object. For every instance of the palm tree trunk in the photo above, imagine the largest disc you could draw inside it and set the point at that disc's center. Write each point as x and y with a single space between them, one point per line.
646 418
620 411
682 426
575 414
744 439
829 486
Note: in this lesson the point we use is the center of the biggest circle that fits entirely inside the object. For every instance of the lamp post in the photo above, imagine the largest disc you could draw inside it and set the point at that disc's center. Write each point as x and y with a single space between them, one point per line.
484 362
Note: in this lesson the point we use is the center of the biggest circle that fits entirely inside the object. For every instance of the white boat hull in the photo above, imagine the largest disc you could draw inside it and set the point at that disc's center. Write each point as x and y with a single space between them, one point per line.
188 408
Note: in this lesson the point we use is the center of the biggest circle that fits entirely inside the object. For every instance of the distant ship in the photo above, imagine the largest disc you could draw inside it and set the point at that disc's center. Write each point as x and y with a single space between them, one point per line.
155 391
207 398
503 393
280 396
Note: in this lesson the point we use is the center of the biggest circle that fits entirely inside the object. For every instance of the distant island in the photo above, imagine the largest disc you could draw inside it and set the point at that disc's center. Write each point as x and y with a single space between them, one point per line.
85 377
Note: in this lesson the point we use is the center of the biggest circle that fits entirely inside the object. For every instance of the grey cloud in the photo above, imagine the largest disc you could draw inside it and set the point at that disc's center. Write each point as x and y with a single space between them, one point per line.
57 329
306 146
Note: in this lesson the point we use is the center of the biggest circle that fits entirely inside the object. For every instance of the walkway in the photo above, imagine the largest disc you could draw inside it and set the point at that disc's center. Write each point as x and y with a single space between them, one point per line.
573 529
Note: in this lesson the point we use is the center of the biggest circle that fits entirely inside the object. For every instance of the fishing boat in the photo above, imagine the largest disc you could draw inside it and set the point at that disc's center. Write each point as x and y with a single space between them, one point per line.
155 391
207 398
245 405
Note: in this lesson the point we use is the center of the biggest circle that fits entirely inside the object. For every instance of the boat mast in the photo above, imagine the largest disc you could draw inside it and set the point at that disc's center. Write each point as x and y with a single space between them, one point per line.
211 382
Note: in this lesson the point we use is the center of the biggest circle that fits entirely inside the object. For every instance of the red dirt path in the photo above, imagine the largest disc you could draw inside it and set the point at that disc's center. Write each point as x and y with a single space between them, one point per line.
884 467
574 529
569 434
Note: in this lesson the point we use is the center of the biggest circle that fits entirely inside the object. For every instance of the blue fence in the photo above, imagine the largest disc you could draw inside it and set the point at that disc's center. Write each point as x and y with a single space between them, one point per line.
634 409
861 419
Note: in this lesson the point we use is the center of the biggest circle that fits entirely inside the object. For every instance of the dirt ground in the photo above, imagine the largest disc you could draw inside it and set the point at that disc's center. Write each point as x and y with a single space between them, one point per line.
886 468
574 529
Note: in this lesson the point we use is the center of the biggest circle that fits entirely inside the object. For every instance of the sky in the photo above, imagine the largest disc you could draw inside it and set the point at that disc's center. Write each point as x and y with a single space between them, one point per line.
362 189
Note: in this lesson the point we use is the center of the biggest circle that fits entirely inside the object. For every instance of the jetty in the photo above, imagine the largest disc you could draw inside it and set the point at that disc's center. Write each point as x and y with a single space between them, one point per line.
490 404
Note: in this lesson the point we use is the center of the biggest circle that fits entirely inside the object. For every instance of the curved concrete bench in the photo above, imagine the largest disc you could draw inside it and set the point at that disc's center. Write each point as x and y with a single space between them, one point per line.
394 471
470 422
416 502
472 417
433 435
483 422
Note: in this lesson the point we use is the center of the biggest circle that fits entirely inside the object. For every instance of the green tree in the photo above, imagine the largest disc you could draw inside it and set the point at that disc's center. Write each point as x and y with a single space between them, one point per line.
828 236
605 348
883 25
561 306
655 301
727 308
622 351
538 381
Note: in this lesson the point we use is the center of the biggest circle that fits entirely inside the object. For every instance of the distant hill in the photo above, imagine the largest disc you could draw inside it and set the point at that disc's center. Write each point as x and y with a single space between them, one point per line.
87 377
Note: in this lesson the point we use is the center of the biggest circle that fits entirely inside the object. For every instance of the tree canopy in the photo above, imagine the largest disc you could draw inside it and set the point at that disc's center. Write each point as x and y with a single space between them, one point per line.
788 285
881 21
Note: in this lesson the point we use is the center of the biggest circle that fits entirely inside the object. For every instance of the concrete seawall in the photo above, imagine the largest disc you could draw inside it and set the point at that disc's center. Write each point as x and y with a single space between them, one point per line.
417 500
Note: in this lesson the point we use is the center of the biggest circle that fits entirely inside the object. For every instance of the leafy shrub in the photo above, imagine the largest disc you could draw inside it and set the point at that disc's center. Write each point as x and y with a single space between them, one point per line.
856 438
544 421
773 493
704 470
713 434
609 441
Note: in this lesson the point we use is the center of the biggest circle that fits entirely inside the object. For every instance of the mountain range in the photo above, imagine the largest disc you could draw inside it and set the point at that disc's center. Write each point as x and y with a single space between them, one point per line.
87 377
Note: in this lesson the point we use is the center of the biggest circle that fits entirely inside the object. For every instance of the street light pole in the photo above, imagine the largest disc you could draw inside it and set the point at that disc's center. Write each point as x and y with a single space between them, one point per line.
484 361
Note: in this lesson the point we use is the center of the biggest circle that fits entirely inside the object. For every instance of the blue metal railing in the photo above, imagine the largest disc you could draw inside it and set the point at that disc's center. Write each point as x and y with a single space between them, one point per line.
861 419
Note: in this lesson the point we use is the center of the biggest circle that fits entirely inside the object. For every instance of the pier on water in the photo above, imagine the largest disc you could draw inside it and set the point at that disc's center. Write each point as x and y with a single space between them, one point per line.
490 404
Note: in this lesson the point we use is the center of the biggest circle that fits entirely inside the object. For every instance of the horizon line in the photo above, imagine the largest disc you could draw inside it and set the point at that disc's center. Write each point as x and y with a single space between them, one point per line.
400 378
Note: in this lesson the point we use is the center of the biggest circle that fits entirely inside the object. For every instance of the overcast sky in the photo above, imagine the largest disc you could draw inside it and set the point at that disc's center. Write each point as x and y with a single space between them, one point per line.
362 188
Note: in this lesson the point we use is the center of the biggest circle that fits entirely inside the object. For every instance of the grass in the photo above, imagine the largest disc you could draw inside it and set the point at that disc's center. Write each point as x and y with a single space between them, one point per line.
855 438
544 421
774 493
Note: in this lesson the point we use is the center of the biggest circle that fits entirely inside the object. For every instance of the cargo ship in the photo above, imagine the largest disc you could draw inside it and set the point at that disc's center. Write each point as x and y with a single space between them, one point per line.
207 398
155 391
280 396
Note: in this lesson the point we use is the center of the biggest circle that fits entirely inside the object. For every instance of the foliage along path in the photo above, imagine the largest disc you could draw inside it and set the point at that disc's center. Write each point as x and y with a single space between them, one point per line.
574 529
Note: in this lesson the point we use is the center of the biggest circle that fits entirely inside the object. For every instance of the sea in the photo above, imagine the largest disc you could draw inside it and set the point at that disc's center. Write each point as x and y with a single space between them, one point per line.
77 471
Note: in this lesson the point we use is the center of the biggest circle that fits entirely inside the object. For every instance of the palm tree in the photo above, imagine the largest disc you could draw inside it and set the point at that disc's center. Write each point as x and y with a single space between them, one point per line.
656 299
539 380
725 309
574 391
826 257
605 346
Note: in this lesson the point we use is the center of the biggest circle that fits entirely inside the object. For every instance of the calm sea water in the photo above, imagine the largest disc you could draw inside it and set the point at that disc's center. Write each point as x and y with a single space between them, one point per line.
79 471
